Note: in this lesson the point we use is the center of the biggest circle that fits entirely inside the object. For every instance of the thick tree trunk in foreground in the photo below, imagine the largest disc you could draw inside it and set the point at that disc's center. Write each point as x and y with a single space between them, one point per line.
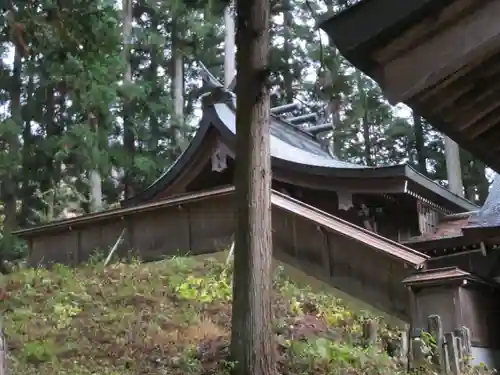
252 346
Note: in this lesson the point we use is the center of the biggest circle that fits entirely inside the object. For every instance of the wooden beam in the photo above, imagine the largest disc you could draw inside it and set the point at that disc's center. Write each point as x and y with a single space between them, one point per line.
472 38
357 25
474 115
488 122
469 104
458 83
477 94
424 30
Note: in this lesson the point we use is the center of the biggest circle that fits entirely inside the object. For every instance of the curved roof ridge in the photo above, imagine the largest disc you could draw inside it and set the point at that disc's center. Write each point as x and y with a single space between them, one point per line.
285 145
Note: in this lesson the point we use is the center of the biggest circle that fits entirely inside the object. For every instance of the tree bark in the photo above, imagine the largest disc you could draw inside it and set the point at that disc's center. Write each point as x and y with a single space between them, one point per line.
11 177
252 344
366 136
287 51
177 88
229 46
453 166
128 125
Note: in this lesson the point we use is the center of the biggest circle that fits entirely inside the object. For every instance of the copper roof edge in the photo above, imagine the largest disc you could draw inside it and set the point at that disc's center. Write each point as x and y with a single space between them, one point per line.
445 274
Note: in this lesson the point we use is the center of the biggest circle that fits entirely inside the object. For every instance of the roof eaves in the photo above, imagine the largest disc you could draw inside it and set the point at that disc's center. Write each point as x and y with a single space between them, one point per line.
439 190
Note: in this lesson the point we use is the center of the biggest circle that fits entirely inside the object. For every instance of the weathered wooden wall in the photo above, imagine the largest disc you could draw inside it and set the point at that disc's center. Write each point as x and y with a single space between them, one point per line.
479 310
342 262
475 306
437 300
475 262
198 227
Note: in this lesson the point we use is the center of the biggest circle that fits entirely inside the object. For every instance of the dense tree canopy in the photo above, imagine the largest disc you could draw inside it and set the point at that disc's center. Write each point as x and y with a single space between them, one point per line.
67 109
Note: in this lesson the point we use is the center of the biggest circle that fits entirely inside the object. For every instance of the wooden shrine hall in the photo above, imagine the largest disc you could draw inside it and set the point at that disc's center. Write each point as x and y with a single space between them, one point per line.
440 57
327 213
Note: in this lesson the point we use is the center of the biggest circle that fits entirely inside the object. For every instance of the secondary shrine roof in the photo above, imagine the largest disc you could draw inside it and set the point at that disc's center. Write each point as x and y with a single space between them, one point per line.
466 229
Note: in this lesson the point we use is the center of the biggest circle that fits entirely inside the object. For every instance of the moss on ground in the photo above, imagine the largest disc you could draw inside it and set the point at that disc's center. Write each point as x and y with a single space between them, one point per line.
171 317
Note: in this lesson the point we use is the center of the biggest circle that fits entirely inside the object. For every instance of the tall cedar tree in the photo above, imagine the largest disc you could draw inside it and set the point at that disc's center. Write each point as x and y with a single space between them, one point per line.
252 346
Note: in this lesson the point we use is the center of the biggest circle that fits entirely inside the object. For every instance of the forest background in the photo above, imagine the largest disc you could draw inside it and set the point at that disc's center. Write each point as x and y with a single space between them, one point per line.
96 103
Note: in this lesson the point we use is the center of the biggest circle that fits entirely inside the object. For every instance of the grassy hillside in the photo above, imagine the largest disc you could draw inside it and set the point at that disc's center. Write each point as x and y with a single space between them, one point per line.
172 317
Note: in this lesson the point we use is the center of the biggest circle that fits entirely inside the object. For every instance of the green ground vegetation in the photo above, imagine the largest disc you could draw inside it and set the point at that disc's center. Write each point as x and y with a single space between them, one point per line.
173 317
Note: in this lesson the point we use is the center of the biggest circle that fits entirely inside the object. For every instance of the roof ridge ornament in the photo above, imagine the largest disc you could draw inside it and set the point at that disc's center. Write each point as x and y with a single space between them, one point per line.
208 78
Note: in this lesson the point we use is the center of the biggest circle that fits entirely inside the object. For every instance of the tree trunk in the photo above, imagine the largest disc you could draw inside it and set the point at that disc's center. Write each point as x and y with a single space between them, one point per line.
155 90
453 166
229 46
419 144
10 181
27 189
482 184
252 344
366 136
287 51
177 88
95 181
128 126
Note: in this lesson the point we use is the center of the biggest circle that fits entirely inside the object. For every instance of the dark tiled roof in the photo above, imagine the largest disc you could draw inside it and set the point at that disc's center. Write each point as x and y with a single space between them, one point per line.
289 143
489 214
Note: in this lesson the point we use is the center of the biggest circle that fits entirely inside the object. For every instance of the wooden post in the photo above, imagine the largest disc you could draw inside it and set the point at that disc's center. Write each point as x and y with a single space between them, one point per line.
3 352
403 349
417 353
446 358
459 338
452 353
370 329
460 352
466 337
435 328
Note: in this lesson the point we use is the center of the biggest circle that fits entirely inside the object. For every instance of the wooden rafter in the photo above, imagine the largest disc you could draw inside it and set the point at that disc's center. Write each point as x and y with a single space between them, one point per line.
451 88
482 126
481 111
